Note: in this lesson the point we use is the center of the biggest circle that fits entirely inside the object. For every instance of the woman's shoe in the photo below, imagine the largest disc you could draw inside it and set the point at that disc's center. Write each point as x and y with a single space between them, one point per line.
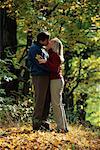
62 130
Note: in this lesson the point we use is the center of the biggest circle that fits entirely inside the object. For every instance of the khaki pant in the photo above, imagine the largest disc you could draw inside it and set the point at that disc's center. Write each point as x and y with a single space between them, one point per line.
56 88
42 99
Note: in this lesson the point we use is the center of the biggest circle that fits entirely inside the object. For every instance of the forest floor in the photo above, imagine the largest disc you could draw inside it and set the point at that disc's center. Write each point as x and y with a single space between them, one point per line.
23 138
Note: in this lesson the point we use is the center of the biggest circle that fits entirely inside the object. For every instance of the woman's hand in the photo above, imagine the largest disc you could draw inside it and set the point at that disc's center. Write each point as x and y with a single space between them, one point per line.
38 57
42 61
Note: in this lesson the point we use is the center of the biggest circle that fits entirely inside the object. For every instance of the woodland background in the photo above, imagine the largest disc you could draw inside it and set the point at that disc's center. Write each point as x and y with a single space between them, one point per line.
77 24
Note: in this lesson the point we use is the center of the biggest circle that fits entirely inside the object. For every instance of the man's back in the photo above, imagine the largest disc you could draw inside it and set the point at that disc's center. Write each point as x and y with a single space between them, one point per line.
35 67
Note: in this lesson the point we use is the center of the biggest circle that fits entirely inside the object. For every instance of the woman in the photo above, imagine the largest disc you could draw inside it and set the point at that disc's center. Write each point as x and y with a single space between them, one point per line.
54 62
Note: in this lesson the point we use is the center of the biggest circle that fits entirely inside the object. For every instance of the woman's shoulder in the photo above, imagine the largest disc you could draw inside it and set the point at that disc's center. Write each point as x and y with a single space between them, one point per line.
53 53
55 56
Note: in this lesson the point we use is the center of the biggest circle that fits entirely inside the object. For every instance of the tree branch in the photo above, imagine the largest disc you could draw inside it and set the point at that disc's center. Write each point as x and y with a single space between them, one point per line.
77 80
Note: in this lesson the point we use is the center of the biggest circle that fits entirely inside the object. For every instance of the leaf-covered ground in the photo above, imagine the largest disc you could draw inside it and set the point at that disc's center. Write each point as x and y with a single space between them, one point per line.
23 138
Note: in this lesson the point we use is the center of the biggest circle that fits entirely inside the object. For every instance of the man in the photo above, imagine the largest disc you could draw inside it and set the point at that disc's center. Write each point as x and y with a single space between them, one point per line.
40 79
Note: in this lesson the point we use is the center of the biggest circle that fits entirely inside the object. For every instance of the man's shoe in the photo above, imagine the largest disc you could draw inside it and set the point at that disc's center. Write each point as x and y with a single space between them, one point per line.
45 126
35 127
36 123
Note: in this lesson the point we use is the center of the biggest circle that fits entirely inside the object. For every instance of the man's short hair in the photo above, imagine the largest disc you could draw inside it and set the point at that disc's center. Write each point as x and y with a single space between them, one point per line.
42 36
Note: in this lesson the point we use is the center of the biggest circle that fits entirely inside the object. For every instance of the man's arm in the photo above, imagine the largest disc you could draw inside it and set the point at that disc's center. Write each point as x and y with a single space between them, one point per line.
32 59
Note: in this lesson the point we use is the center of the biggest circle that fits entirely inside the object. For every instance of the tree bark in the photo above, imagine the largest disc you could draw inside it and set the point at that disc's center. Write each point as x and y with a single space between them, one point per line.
8 30
8 41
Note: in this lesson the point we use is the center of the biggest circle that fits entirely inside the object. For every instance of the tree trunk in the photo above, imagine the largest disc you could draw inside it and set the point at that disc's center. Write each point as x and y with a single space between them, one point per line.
8 29
8 41
2 12
68 99
26 75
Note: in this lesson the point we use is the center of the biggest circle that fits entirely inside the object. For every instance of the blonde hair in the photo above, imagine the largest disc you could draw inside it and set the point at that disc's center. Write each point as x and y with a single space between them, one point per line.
57 47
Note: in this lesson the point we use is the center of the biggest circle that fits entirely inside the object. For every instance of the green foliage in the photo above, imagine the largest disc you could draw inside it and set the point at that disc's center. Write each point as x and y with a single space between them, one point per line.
4 70
11 112
76 23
